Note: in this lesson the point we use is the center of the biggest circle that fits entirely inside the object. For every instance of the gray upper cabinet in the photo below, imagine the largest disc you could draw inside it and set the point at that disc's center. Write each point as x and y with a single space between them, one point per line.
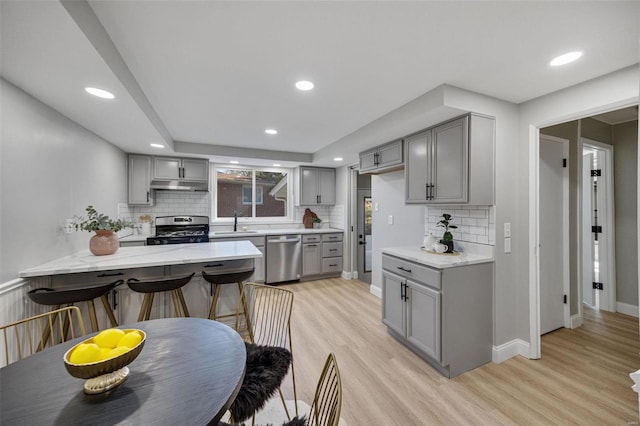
139 180
383 158
452 163
191 169
316 186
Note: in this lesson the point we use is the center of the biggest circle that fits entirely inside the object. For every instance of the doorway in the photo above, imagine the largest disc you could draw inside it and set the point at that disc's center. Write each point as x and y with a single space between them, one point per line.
554 233
598 253
364 223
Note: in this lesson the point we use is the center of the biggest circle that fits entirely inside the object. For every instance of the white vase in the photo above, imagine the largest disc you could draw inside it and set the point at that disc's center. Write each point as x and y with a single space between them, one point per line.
429 241
145 229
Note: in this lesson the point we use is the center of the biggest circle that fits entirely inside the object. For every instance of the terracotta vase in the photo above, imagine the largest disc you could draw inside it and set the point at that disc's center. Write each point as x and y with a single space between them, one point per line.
103 243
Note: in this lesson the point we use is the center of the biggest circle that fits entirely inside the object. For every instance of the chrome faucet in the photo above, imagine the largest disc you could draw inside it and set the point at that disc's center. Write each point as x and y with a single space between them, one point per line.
235 220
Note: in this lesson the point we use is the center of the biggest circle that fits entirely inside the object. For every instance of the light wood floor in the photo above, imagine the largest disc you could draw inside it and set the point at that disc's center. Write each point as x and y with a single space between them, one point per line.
582 378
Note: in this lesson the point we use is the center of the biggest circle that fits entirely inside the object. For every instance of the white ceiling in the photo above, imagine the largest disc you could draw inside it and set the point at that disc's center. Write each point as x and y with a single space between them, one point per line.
220 73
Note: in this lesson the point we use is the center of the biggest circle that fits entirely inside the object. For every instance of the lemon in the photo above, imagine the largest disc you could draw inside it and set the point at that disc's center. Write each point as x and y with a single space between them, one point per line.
104 353
108 338
85 353
118 351
130 340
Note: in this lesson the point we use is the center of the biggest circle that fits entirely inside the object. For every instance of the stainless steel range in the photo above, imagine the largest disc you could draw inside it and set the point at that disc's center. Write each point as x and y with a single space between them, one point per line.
180 230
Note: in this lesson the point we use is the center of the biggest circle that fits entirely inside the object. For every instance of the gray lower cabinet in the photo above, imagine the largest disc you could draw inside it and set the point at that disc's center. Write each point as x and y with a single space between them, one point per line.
445 316
259 264
321 254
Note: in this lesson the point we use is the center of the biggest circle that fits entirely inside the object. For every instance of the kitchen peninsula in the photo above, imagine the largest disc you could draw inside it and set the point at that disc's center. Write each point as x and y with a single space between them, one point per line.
151 262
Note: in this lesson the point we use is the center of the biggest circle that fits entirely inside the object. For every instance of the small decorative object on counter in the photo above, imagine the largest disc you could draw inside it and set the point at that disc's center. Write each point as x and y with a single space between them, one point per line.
105 241
309 218
447 237
429 241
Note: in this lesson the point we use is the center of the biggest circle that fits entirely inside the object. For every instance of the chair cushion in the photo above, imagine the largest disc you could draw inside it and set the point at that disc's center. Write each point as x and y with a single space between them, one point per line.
266 368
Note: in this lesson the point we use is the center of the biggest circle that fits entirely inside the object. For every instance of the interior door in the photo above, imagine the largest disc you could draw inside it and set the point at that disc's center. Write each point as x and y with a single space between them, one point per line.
588 264
552 255
365 244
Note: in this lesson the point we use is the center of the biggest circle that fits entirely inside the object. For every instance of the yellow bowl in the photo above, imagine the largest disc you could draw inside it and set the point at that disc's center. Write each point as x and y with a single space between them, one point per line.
98 368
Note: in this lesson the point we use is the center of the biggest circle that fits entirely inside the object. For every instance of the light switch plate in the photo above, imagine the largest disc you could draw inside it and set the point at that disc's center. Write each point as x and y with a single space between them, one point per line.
507 229
507 245
390 219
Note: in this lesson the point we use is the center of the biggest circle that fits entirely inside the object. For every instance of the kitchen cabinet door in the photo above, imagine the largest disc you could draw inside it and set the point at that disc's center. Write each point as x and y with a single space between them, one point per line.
166 168
393 305
327 186
450 164
139 180
418 167
195 169
311 259
423 318
390 155
368 160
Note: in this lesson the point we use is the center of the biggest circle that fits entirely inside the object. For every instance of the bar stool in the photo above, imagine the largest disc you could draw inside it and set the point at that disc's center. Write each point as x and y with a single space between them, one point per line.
67 297
228 278
150 288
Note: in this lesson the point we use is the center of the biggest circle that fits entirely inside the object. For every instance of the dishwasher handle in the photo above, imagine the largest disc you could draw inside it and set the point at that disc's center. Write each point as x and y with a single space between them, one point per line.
288 240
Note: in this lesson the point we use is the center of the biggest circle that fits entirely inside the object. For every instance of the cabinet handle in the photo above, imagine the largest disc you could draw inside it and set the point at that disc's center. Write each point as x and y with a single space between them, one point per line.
147 196
211 289
375 159
403 269
114 298
311 245
430 196
215 265
114 274
333 264
333 249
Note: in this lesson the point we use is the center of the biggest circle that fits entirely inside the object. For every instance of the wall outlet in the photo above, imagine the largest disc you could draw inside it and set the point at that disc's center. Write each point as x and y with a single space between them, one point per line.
507 245
390 219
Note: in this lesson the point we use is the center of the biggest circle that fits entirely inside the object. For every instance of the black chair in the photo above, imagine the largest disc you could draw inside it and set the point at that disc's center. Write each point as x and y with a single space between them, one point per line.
151 287
68 297
218 280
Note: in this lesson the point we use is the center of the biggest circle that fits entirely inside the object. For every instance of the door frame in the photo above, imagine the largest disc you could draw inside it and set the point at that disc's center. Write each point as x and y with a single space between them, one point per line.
534 208
610 292
352 195
566 289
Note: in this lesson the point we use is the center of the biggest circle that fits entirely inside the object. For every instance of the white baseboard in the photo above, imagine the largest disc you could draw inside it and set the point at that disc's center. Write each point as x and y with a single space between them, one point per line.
627 309
510 349
576 321
347 275
376 291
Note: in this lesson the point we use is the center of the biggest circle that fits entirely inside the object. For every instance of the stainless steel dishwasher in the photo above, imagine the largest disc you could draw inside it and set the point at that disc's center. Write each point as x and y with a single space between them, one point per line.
284 258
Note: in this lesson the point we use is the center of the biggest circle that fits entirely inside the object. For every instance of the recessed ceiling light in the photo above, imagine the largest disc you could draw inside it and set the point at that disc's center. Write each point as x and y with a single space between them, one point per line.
565 59
271 131
157 145
337 159
234 162
276 165
304 85
99 93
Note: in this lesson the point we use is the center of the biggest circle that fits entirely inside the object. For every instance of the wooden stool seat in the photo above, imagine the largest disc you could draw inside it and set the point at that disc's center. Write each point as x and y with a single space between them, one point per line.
151 287
227 278
58 298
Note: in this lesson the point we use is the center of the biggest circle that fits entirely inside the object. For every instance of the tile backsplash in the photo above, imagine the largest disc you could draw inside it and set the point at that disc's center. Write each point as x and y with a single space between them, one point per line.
476 224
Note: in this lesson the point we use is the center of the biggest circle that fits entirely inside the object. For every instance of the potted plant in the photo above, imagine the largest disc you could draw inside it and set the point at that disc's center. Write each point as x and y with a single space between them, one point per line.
105 241
447 237
316 222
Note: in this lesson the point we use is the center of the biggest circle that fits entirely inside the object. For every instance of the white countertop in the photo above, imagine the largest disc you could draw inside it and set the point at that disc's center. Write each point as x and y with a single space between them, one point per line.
251 233
470 254
144 256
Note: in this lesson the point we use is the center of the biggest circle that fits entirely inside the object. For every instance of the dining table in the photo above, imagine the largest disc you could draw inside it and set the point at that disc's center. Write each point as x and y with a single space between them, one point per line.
188 373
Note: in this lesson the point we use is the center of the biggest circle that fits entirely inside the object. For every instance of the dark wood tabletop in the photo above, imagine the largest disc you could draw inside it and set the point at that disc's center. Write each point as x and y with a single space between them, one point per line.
189 372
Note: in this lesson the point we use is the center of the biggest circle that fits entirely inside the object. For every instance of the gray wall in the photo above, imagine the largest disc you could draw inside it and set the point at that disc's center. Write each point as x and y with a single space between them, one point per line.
387 192
50 169
625 152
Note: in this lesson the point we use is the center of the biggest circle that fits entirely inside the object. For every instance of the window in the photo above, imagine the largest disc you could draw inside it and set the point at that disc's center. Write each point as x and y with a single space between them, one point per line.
256 193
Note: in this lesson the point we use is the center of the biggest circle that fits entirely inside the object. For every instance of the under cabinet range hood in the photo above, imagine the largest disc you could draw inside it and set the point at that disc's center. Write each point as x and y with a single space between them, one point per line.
180 185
